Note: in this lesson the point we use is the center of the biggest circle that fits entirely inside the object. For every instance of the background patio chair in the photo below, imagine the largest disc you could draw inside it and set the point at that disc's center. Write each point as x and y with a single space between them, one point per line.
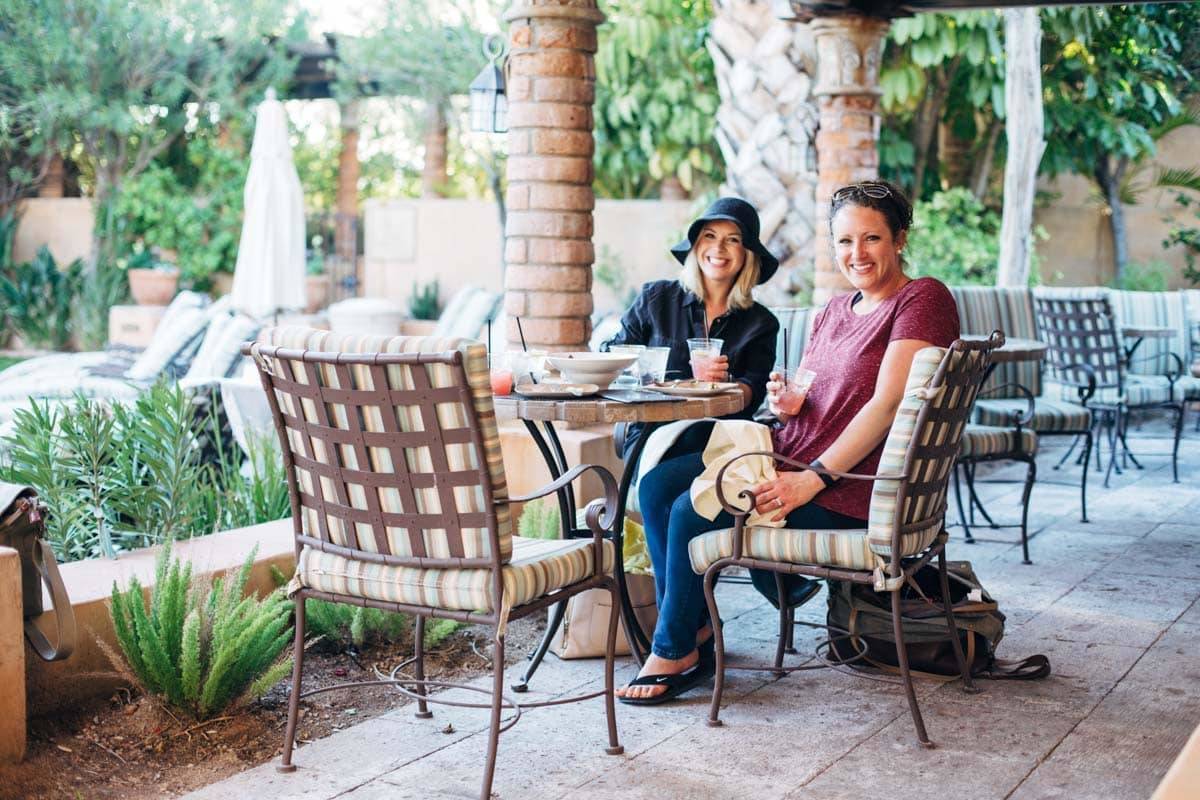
399 500
905 529
1004 398
1086 357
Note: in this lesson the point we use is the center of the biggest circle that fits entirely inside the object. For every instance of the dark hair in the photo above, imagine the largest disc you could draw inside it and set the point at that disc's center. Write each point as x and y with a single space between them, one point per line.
883 196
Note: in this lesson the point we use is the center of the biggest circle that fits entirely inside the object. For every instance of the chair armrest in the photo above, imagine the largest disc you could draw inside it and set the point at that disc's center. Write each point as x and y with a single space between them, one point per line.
620 434
1085 391
1018 418
601 513
746 493
1174 374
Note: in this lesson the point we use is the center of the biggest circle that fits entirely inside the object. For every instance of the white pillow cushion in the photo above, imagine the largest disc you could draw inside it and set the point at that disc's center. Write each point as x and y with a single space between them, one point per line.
220 351
173 335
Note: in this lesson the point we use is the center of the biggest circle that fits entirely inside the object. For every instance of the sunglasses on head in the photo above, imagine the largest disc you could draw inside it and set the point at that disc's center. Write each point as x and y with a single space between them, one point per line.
875 191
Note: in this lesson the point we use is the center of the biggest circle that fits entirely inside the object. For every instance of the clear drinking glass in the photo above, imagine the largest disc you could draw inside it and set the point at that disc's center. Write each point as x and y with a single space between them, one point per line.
701 351
500 374
631 376
527 366
795 389
654 364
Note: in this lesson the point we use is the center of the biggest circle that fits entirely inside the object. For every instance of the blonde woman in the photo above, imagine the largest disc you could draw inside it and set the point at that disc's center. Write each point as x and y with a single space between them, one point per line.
713 297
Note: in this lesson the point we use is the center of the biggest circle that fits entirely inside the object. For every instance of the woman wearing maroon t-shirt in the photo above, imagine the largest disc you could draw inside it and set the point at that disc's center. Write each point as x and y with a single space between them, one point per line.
861 349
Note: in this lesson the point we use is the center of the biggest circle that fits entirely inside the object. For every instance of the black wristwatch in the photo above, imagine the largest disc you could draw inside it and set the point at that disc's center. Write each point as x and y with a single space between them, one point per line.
828 480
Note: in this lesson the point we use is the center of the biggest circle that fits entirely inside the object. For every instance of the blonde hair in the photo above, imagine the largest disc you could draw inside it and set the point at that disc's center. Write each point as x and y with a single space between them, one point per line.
741 296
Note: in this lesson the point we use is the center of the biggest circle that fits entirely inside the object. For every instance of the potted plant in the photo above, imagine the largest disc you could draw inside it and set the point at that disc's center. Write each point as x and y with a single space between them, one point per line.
423 309
153 279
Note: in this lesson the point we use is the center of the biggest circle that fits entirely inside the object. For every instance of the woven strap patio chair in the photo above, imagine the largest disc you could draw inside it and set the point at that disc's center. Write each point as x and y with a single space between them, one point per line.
399 502
1085 356
906 526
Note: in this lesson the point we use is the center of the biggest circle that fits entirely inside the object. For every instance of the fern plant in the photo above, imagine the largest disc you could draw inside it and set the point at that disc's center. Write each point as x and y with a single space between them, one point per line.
38 298
423 303
340 622
540 519
201 648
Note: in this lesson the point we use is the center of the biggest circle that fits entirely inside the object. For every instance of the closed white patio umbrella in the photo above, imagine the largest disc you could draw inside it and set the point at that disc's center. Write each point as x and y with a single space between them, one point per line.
269 276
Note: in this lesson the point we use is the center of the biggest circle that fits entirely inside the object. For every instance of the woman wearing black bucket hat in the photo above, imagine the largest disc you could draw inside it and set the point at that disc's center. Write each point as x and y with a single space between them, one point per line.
723 260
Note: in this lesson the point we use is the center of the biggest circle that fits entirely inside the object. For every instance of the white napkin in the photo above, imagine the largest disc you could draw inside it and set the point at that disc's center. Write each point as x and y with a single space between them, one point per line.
730 438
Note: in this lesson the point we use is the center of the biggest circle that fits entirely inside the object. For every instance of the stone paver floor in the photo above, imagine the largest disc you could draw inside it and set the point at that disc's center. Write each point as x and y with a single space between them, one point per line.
1113 603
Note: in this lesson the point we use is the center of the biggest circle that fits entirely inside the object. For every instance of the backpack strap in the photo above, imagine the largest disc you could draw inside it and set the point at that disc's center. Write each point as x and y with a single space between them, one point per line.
1027 669
64 615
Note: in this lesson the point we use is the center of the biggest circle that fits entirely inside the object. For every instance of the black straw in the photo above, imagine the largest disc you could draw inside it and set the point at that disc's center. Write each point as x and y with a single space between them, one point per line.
489 335
521 333
785 356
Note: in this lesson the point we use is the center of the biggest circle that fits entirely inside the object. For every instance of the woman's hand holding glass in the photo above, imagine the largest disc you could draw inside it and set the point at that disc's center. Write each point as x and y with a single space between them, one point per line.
707 362
785 395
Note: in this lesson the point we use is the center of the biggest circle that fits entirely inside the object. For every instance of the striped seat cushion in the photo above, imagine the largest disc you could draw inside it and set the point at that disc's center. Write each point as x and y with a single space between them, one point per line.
538 566
837 548
1140 390
985 440
1049 415
1188 387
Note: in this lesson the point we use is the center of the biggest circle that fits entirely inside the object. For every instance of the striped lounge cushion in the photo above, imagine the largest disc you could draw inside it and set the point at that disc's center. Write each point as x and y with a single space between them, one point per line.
1049 415
1140 390
834 548
984 440
538 566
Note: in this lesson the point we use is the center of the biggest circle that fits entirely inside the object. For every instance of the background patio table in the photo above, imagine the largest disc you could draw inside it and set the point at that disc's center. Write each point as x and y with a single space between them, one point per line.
597 410
1138 333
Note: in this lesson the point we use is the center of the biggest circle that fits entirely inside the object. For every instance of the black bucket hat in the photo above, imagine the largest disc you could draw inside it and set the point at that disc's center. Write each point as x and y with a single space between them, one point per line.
741 213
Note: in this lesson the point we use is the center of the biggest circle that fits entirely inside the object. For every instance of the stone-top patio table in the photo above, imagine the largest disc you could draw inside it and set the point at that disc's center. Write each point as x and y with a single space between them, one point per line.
590 411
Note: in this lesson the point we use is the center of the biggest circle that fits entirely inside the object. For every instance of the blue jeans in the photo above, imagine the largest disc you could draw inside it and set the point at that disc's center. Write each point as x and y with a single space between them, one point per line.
671 524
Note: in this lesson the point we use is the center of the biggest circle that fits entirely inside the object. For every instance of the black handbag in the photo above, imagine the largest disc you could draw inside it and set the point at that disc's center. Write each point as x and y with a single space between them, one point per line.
21 528
866 615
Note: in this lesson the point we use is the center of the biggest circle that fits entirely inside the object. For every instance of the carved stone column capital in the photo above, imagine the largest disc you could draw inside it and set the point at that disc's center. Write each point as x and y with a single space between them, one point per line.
849 49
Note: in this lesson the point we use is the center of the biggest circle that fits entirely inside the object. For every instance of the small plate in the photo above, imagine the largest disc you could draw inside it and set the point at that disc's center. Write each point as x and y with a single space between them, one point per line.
556 391
692 388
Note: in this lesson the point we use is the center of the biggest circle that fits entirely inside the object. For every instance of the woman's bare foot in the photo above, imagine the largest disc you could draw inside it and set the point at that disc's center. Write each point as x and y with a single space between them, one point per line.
656 665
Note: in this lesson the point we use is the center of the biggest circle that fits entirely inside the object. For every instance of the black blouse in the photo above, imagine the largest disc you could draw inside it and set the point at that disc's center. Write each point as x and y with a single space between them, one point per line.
665 314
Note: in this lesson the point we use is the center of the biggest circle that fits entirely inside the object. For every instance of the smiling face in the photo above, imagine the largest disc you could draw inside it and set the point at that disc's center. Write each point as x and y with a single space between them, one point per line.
720 252
866 252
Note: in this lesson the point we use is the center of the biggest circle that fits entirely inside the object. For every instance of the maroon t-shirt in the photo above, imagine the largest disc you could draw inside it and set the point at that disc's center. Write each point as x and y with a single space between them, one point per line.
846 350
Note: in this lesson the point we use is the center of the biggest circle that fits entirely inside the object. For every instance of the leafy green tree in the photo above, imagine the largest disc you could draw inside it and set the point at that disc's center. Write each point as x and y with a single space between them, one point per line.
656 98
942 71
124 79
1114 77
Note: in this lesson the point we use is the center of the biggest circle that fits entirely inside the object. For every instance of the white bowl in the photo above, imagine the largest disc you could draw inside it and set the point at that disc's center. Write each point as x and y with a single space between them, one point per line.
598 368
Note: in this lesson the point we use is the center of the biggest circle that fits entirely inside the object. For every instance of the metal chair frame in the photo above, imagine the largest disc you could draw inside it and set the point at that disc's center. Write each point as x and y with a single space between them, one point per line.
966 378
1085 353
279 379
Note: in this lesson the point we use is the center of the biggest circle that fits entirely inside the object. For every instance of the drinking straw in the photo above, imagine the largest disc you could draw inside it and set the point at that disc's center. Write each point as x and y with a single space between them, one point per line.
785 355
521 332
524 347
489 337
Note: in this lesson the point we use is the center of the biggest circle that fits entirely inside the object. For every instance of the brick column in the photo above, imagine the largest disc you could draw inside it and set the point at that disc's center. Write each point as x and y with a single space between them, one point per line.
847 90
548 236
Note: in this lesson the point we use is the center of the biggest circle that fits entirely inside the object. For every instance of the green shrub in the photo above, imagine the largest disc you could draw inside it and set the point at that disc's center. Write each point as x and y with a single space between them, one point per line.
341 622
201 648
423 303
1144 276
99 291
956 239
540 519
121 477
38 297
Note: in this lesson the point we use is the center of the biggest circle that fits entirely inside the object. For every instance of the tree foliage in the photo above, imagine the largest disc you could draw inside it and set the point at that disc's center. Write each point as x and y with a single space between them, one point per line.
118 81
656 98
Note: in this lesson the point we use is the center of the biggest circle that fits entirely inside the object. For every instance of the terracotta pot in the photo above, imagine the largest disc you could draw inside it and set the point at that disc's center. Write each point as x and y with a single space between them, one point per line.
222 284
152 287
316 290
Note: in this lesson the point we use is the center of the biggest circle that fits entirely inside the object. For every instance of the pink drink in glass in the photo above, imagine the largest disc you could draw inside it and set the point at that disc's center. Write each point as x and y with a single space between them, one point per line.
795 389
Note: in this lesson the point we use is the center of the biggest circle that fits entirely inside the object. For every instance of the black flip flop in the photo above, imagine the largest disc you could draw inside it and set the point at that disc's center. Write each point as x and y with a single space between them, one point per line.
676 684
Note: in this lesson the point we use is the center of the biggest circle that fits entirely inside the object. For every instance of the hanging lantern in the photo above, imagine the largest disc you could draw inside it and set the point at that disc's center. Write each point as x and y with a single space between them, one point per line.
489 105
